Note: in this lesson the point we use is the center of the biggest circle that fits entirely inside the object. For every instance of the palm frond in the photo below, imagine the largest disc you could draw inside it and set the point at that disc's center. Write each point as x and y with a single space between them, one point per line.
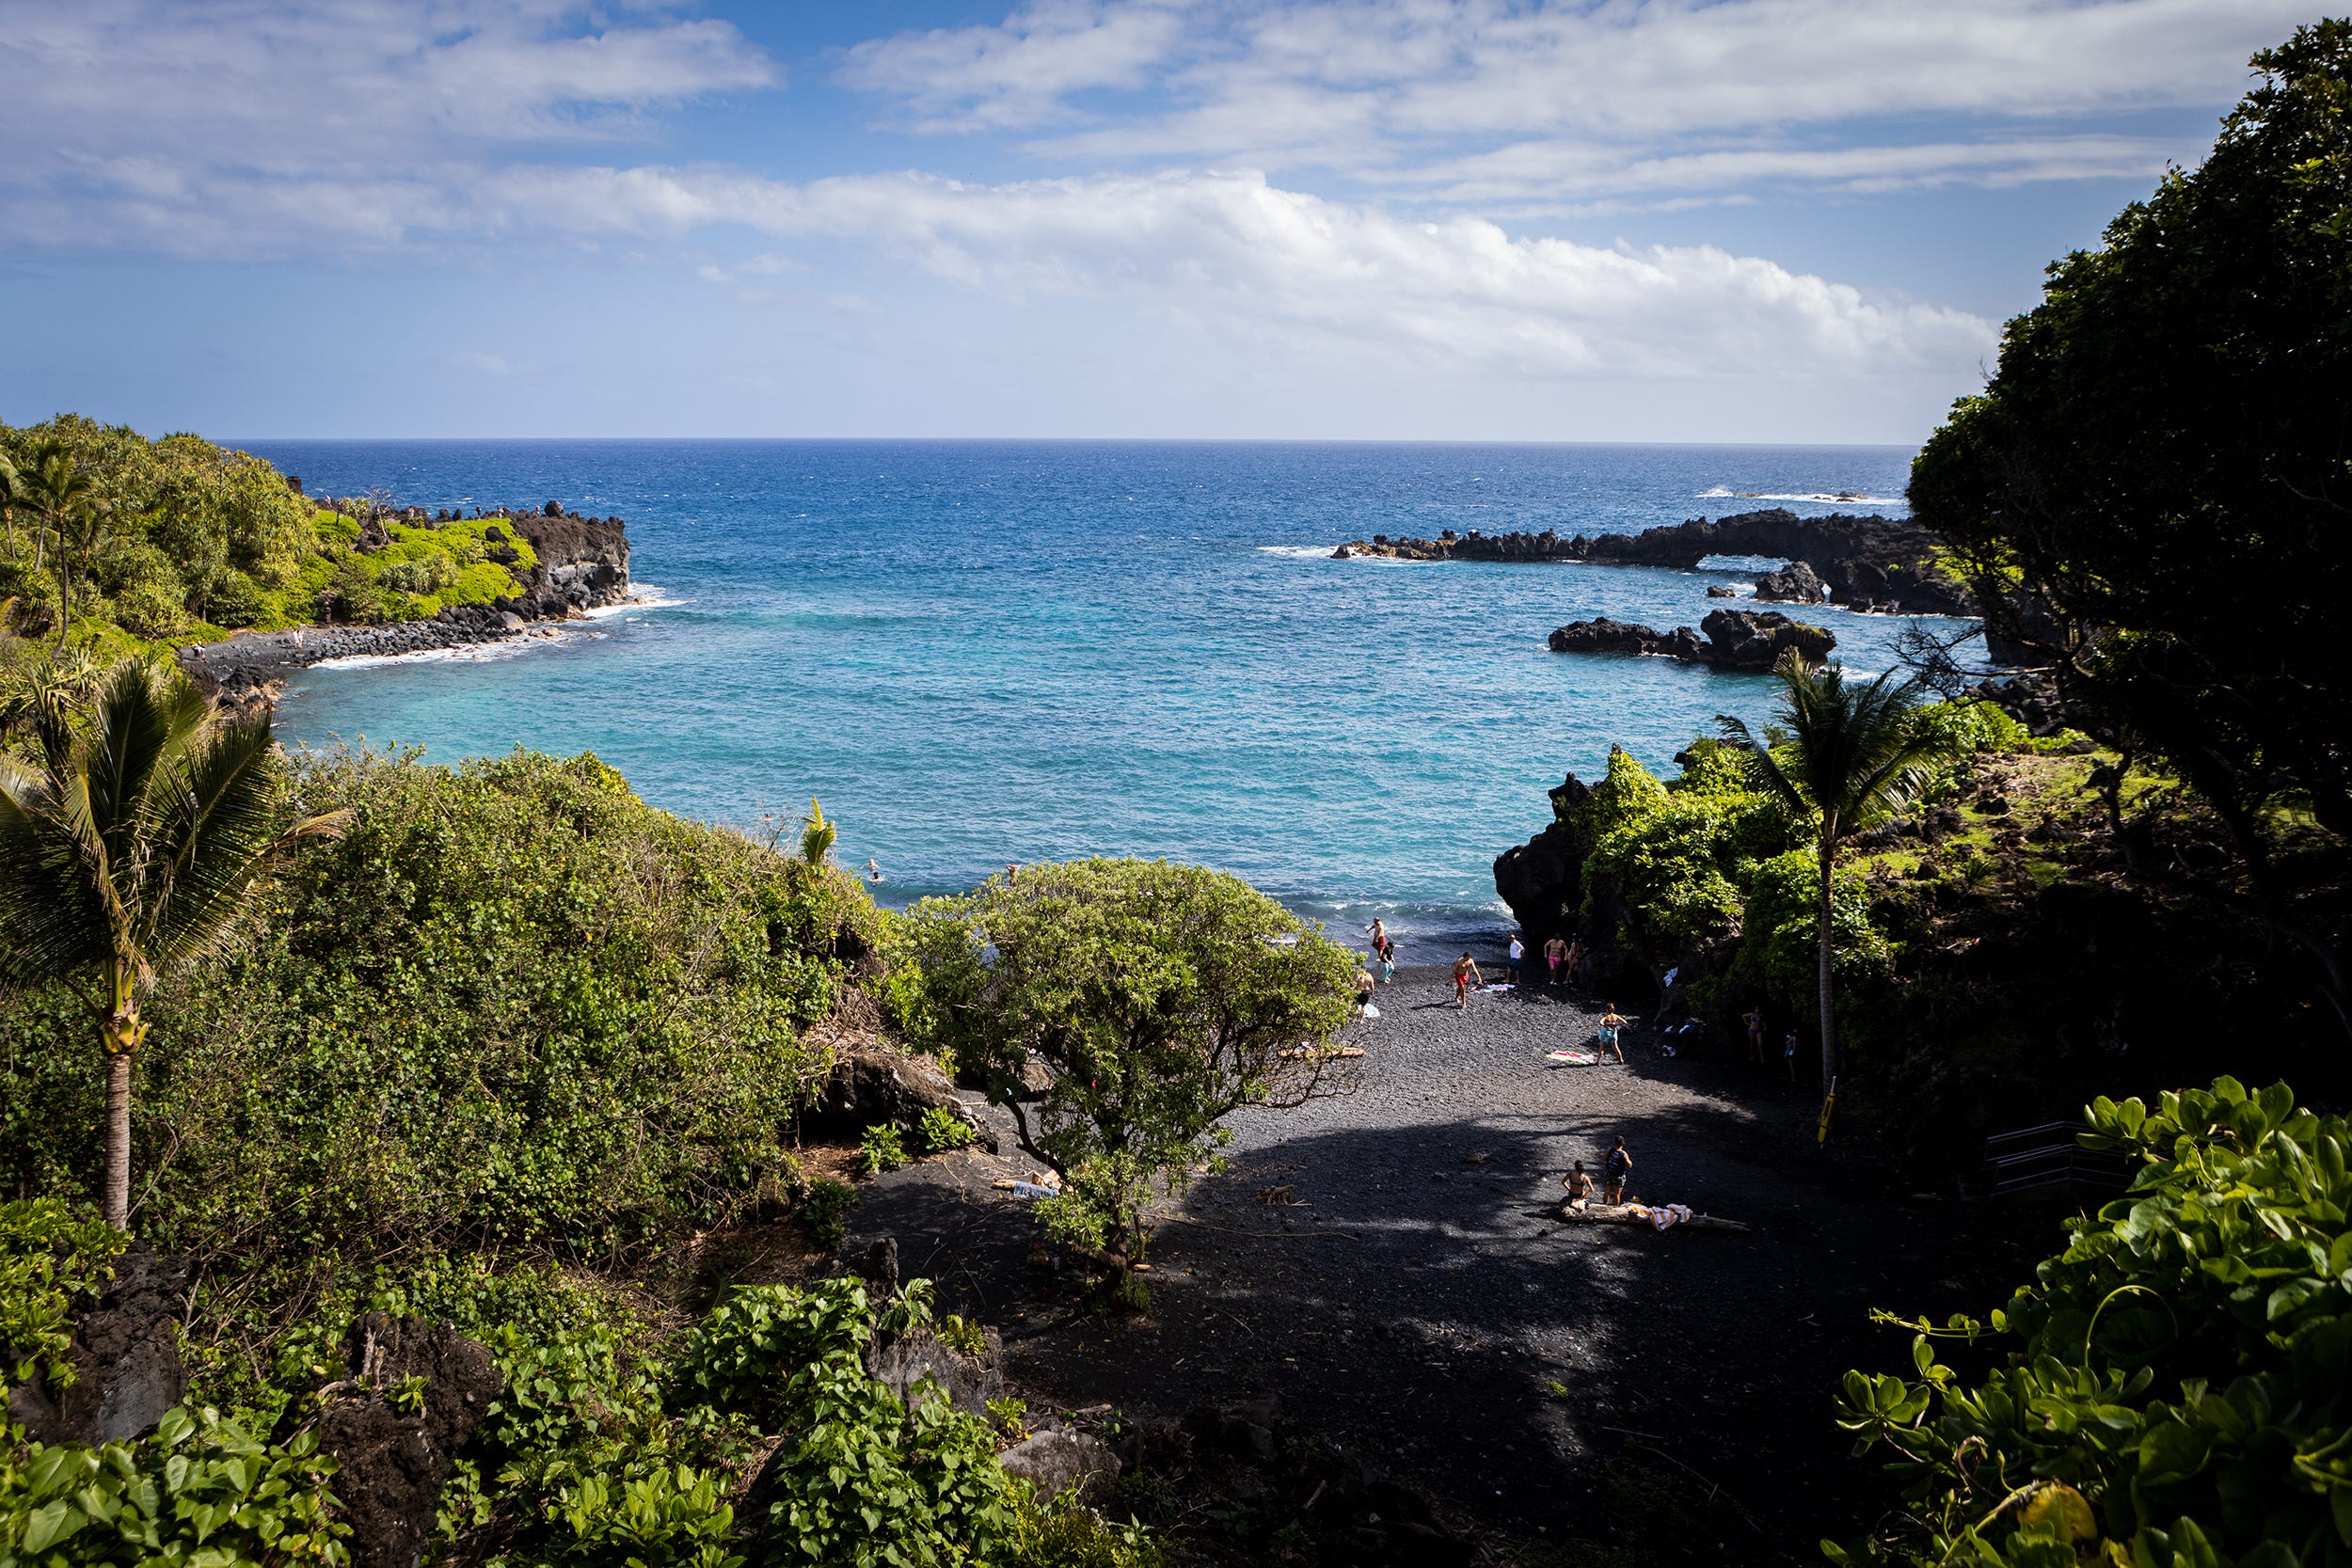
217 834
1764 773
52 919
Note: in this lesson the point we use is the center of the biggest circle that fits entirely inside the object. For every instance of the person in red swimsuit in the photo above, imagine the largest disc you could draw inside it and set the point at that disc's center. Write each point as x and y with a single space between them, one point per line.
1464 972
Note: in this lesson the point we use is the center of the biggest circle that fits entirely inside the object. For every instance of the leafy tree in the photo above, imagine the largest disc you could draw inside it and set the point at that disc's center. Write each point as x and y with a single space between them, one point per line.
2178 1387
134 845
1855 756
1159 998
2152 493
64 499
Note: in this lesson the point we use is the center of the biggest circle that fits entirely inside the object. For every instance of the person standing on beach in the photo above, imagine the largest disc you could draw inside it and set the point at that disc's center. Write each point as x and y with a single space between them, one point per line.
1614 1171
1363 989
1379 939
1788 1053
1464 972
1555 953
1754 1021
1610 1024
1575 959
1518 951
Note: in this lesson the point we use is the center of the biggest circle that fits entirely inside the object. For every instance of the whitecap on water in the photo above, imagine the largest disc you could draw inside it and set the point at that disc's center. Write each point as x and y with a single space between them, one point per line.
1299 553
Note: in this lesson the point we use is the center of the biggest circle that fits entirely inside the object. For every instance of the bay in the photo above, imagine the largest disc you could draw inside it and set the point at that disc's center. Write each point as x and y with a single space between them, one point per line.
979 653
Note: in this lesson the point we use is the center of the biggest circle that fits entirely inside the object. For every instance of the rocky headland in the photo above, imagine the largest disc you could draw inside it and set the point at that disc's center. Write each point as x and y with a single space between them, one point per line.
1861 563
1733 639
580 564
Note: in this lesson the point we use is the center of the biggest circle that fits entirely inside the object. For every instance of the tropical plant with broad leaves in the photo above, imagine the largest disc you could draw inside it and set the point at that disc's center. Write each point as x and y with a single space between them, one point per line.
137 841
1855 756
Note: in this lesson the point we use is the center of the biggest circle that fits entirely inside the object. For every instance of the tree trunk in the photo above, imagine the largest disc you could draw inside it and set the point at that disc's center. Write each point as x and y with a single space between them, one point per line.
1829 1013
117 1199
122 1034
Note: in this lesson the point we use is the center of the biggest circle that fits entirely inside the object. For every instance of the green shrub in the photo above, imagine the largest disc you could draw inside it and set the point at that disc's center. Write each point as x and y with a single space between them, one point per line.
2178 1387
512 1004
1011 1417
961 1335
52 1254
427 573
1065 1533
882 1150
238 601
741 1356
827 1200
672 1516
1780 951
941 1130
866 1481
199 1493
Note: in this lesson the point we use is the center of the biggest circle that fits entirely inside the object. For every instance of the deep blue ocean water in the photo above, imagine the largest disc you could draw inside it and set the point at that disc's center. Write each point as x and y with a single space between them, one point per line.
976 653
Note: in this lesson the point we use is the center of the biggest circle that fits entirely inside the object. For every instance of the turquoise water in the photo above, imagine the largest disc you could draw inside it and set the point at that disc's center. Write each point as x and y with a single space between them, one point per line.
976 653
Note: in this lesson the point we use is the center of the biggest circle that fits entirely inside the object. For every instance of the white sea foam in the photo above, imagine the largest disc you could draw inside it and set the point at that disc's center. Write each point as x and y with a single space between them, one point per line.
641 596
644 596
1299 553
1837 498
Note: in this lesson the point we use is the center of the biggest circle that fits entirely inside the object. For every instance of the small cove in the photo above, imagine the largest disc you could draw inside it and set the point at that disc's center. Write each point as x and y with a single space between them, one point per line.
982 652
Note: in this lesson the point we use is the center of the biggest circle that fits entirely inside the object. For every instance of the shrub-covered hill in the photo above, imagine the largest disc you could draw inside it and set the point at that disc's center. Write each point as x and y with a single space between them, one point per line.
180 540
513 1007
2050 921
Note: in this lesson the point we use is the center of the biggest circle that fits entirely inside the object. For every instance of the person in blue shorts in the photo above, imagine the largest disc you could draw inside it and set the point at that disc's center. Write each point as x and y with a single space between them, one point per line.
1610 1024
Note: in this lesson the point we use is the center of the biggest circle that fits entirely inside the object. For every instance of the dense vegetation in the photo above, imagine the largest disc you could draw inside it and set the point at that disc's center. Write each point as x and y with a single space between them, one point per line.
2173 1390
2151 492
496 1056
179 540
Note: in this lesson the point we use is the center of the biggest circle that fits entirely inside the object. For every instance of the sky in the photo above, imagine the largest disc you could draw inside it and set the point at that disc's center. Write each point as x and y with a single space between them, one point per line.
1603 220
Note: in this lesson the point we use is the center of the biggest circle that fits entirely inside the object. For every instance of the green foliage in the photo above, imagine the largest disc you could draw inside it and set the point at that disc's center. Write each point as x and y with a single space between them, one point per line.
2157 461
961 1335
1159 998
52 1255
941 1130
882 1150
1011 1417
822 1206
741 1355
2178 1382
201 1493
1780 925
1065 1533
1968 728
672 1516
1676 855
513 1003
817 834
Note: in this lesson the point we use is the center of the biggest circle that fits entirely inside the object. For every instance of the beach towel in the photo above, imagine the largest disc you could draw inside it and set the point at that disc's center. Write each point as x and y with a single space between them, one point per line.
1371 1011
1499 985
1571 1058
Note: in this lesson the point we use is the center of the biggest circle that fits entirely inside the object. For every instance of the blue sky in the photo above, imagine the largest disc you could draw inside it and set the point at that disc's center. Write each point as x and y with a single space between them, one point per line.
1772 220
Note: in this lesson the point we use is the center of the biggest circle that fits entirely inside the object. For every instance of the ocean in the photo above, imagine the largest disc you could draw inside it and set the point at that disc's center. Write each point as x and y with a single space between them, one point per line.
976 653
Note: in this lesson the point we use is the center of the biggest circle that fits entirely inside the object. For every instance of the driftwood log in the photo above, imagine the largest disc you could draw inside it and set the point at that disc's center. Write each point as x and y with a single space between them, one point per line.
1639 1213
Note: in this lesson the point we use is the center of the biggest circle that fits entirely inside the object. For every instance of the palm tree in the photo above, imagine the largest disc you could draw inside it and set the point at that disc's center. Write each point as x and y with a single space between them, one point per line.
65 500
1855 756
817 834
140 840
12 493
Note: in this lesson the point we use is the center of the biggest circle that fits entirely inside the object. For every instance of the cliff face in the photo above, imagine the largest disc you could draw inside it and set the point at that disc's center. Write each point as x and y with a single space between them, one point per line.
583 563
1863 562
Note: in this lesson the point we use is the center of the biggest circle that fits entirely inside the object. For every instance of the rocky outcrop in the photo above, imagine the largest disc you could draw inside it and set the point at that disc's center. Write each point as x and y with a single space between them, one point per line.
125 1357
581 564
393 1453
903 1361
1062 1461
876 1086
1795 583
1862 562
1735 640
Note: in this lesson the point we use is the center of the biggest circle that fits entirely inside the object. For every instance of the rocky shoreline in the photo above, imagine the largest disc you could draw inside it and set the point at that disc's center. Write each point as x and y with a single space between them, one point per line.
581 564
1861 563
1734 640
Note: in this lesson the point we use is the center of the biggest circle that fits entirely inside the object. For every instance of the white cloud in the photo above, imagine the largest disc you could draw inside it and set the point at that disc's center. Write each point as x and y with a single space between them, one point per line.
1020 72
128 119
1297 273
474 359
1373 86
